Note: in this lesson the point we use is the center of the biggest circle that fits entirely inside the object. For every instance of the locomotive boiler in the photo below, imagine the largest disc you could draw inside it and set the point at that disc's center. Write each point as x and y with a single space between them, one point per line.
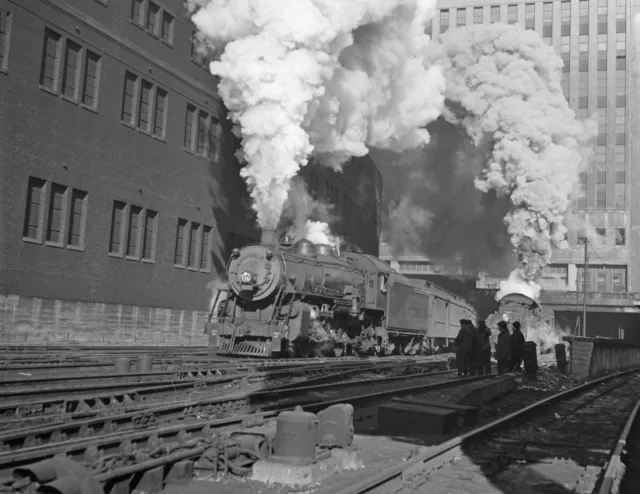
309 299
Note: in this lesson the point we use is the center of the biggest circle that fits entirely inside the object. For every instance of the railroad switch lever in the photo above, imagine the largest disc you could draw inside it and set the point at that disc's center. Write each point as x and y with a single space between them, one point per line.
60 475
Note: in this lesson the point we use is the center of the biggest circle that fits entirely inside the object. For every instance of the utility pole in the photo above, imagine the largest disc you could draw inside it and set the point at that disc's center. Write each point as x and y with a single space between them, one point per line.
584 287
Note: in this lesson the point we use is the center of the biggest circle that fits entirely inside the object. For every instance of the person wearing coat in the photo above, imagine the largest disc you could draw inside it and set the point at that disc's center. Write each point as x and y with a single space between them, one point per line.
463 348
503 348
517 347
484 355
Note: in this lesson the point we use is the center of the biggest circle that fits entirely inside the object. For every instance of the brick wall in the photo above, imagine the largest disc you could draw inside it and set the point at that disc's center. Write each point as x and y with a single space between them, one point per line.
31 320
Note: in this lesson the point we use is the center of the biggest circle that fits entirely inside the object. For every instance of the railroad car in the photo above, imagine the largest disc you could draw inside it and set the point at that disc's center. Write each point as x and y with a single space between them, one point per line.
309 299
518 307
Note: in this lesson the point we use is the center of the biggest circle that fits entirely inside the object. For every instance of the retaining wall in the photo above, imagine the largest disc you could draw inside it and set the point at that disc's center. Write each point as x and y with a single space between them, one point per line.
596 356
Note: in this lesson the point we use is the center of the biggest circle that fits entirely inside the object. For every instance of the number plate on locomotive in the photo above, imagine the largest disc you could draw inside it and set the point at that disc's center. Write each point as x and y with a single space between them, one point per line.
248 288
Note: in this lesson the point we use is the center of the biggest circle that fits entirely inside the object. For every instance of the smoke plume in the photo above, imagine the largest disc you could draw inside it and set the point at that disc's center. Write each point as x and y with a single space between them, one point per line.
513 136
504 86
303 216
323 78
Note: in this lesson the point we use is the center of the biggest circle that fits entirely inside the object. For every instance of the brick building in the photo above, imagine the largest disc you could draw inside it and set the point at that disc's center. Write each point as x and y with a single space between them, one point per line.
121 195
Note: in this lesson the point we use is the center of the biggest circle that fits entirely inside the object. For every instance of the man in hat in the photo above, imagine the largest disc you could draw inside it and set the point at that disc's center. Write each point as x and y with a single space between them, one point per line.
517 347
503 348
484 355
463 348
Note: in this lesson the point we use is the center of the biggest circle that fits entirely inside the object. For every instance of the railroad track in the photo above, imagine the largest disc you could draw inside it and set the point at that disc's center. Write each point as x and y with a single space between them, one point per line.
560 444
85 440
29 404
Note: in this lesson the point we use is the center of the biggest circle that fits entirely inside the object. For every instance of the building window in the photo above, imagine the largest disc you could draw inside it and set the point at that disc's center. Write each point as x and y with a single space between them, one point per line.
547 19
581 237
444 21
167 28
117 228
153 20
71 74
601 234
620 190
601 195
150 234
77 219
133 233
34 213
50 61
91 81
581 201
202 133
461 17
565 18
583 9
205 251
477 15
566 59
530 16
137 12
55 222
144 108
602 17
621 44
197 53
193 246
621 63
495 14
621 236
428 30
621 16
140 227
144 102
565 44
512 14
160 118
201 143
5 37
618 279
129 97
180 242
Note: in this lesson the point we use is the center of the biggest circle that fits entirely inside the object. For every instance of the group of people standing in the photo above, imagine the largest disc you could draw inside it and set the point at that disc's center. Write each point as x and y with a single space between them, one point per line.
473 348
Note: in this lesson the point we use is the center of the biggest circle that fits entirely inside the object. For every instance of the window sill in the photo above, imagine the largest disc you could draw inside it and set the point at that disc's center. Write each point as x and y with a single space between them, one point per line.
117 255
167 43
149 261
179 266
73 101
192 269
30 240
139 26
158 138
144 131
153 35
57 245
4 70
90 108
77 248
132 258
54 92
128 125
206 271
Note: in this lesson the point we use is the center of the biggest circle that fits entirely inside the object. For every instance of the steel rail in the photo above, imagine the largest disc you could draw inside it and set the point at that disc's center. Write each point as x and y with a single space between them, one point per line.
78 446
614 471
440 451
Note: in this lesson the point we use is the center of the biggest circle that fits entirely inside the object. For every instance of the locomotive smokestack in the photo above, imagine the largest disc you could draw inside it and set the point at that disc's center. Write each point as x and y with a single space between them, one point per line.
268 237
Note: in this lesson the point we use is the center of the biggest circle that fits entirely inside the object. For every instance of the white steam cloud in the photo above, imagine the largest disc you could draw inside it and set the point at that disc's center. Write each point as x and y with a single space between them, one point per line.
323 78
504 87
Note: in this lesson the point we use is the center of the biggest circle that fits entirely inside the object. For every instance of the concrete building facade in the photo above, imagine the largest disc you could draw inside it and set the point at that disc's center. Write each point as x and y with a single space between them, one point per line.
121 194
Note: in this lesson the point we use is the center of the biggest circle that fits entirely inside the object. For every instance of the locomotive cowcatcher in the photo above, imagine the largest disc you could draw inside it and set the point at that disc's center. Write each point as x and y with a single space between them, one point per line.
309 299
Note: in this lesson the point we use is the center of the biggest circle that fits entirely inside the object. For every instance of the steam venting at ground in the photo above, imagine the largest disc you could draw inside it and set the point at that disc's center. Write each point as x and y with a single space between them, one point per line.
305 217
321 78
504 92
544 335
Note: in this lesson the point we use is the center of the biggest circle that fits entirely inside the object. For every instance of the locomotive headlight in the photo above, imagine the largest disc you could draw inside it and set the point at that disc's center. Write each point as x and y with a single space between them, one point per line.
269 255
235 252
246 277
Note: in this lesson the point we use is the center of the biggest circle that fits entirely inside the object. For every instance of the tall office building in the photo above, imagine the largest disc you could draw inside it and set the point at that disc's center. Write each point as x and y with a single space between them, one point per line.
120 194
598 44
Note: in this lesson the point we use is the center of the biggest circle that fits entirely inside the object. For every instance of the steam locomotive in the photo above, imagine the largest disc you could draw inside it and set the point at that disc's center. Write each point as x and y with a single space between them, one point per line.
518 307
309 299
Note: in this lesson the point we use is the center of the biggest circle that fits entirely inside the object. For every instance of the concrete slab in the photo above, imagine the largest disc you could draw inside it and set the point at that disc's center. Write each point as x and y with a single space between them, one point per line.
399 418
479 392
270 472
468 415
